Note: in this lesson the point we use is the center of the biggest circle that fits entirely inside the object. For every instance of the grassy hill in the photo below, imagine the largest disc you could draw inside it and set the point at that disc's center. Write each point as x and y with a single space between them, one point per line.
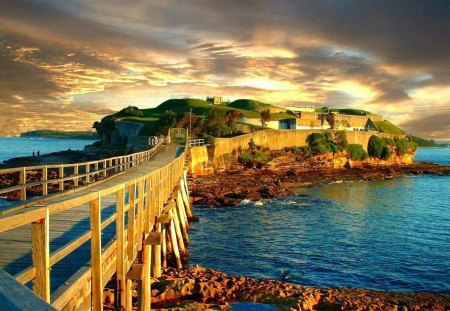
248 104
202 109
387 127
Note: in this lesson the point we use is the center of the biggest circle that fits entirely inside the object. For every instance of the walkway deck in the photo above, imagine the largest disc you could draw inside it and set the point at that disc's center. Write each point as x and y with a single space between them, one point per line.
15 245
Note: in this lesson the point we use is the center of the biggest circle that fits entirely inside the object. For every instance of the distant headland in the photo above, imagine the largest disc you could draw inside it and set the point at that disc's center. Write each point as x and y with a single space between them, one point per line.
85 135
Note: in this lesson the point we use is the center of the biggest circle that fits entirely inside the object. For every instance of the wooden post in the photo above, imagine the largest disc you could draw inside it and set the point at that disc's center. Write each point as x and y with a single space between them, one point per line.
146 291
41 256
61 176
23 181
75 172
173 239
185 196
88 169
164 246
182 216
131 221
44 180
147 205
176 222
120 261
140 211
157 256
96 255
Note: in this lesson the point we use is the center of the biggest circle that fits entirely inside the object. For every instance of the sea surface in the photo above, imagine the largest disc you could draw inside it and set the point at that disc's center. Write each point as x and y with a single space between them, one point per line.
11 147
384 235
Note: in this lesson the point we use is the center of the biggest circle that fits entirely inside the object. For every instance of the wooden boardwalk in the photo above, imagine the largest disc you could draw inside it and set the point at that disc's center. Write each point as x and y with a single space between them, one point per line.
73 223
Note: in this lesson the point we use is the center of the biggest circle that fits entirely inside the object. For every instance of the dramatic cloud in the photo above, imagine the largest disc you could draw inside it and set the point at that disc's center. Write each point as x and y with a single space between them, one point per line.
63 64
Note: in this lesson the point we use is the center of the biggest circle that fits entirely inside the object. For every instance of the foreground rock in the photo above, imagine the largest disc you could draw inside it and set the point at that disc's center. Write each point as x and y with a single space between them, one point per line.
198 288
231 187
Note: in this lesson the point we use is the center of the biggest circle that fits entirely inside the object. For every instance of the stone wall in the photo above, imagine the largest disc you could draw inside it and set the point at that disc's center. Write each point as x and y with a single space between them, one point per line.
278 139
198 159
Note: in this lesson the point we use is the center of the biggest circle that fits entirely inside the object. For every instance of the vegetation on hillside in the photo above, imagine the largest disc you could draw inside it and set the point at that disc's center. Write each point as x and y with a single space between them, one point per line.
422 142
265 117
381 147
387 127
61 134
354 112
327 142
356 152
248 104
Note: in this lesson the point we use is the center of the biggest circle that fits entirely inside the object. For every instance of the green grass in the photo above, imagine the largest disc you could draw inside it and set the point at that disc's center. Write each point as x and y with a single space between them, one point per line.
353 112
387 127
248 104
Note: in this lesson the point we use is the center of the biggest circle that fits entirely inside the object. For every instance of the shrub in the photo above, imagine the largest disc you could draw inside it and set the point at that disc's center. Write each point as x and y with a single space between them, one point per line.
340 139
319 143
386 153
389 142
253 159
376 146
356 152
251 144
403 146
304 151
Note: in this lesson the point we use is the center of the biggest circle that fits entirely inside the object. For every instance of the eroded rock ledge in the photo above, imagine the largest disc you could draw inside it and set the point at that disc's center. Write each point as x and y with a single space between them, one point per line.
198 288
231 187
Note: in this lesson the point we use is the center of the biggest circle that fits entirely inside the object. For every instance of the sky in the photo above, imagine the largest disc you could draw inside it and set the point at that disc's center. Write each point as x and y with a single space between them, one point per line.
65 64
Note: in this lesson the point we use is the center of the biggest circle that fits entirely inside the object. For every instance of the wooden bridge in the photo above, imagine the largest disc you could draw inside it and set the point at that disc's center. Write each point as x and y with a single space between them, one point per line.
68 245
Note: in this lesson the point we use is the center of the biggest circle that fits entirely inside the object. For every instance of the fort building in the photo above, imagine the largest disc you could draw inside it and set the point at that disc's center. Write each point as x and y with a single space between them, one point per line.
216 100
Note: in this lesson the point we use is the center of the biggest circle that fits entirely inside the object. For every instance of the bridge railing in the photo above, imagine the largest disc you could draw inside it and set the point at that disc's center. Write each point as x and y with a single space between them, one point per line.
138 211
47 179
195 142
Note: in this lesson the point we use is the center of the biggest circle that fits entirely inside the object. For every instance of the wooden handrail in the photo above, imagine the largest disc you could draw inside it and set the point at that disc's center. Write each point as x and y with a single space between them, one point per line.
125 162
144 206
17 294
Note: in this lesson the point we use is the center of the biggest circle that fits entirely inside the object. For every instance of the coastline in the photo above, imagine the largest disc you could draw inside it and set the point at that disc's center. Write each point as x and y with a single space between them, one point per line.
231 187
198 288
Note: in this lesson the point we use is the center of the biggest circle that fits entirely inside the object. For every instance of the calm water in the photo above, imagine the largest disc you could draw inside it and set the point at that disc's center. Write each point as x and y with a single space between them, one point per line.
11 147
386 235
435 155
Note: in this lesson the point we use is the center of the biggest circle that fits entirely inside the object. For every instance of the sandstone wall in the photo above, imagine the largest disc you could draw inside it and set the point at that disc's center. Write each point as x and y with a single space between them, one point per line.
278 139
199 158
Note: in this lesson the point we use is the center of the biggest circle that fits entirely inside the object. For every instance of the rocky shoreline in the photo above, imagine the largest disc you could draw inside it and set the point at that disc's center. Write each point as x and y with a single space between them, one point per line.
229 188
198 288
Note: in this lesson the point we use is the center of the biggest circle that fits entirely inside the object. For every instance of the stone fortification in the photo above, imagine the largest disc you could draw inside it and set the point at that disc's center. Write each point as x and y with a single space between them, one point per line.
279 139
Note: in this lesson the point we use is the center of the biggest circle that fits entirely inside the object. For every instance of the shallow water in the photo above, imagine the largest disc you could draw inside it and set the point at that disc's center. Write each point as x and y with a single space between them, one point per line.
385 235
11 147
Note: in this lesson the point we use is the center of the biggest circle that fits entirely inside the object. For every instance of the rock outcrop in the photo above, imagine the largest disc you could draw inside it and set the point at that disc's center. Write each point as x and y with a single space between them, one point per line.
198 288
124 130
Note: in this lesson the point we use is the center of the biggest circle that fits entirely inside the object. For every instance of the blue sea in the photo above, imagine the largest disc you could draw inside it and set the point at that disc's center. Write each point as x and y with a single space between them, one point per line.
11 147
384 235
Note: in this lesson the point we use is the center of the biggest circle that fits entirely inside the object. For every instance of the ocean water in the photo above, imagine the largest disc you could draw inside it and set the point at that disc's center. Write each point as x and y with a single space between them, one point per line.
11 147
435 155
384 235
